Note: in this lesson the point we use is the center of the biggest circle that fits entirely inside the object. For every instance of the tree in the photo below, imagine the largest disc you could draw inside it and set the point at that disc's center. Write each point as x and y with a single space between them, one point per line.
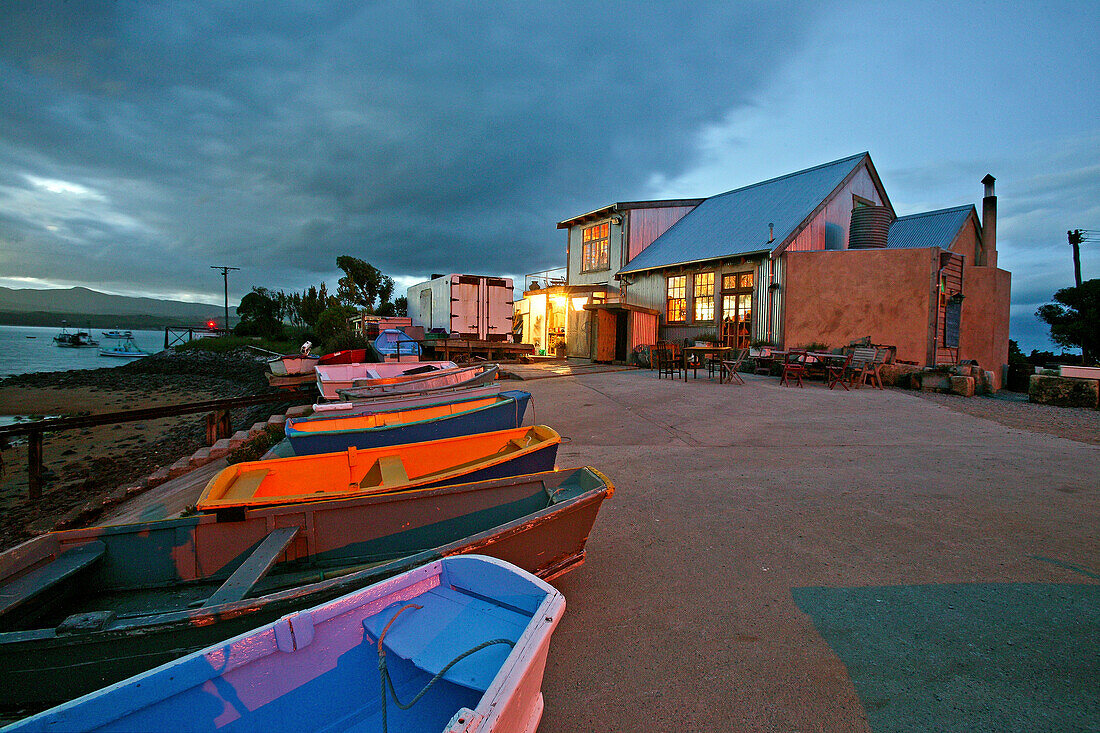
401 306
259 315
333 322
1074 318
363 283
313 302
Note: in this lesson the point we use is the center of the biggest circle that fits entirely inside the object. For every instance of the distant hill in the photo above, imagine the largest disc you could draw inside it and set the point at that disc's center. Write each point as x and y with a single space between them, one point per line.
27 307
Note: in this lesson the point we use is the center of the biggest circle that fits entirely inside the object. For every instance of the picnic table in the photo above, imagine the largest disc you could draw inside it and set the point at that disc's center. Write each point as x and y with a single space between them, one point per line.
702 351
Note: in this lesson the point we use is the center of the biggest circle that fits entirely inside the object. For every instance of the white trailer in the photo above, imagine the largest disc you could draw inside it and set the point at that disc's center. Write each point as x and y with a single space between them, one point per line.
467 306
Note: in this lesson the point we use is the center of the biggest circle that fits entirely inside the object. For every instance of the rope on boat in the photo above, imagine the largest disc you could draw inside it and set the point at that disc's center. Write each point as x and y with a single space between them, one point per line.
385 673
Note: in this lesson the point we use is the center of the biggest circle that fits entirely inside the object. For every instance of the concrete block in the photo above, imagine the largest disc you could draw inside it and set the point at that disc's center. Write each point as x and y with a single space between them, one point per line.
276 420
299 411
962 386
199 458
180 467
257 429
241 435
1064 391
156 478
221 448
134 490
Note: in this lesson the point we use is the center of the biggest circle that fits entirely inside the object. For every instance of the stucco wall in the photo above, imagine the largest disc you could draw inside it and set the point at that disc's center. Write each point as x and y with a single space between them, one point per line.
983 334
837 297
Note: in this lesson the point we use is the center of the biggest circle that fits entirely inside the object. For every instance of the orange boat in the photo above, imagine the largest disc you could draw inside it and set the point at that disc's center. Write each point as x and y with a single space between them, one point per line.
355 473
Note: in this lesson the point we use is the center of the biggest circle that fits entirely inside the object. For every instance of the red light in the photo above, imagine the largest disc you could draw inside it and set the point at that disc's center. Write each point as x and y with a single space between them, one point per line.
210 324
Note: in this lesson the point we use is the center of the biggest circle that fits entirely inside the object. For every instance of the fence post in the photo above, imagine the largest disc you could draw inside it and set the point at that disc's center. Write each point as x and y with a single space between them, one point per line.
34 465
217 426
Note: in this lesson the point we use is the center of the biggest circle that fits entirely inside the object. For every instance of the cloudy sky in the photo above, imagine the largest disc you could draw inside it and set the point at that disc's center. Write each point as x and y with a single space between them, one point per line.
142 142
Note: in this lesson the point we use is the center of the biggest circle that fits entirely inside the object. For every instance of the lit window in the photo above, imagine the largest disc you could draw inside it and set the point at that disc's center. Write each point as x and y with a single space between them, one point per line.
703 297
736 328
677 299
596 247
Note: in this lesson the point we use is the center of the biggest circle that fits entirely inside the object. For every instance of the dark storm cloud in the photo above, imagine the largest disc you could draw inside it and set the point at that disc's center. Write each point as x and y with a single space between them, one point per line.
422 137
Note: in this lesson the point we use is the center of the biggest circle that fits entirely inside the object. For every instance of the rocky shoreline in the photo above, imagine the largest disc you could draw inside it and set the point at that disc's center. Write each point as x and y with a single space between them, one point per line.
83 466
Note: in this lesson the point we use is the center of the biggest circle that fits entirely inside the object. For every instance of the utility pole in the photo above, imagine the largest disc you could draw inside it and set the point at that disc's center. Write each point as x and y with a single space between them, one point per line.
1076 236
225 276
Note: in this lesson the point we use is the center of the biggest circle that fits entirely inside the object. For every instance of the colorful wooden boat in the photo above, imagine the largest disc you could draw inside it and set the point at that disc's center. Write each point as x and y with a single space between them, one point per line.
127 349
386 401
333 377
84 608
312 435
347 356
473 632
444 379
357 472
289 365
394 345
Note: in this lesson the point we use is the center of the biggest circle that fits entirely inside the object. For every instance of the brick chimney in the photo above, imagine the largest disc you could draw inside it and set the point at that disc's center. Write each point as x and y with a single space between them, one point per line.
988 256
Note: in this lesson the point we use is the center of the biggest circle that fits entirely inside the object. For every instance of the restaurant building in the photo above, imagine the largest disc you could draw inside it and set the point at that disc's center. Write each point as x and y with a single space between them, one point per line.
813 257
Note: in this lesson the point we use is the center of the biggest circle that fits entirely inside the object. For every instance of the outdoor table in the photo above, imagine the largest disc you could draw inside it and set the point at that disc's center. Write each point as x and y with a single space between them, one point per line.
721 351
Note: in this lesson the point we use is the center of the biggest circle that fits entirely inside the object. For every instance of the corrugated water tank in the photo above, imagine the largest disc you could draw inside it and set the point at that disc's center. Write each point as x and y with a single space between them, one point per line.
870 227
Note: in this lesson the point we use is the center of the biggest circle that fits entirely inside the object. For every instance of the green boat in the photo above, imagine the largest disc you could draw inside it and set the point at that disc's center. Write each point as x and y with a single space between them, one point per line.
81 609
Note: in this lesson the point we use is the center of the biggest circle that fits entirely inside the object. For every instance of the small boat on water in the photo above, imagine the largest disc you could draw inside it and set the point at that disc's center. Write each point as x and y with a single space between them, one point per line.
444 379
125 350
384 401
458 645
416 424
394 345
84 608
117 334
333 377
355 472
290 365
74 339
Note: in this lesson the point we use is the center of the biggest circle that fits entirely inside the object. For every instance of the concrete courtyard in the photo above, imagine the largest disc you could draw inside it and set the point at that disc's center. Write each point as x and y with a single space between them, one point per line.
814 560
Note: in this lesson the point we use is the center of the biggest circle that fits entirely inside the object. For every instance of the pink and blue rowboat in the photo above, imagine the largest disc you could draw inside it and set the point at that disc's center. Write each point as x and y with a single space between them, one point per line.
460 642
396 426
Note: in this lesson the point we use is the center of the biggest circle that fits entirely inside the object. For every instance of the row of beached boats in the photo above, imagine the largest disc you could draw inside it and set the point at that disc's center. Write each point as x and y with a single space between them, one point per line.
382 569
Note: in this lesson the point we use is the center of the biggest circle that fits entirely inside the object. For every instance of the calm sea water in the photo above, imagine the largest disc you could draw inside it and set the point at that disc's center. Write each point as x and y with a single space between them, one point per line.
25 349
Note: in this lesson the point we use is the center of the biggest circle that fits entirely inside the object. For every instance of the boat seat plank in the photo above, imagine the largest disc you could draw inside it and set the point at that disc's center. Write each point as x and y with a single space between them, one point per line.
31 585
392 470
429 637
253 569
246 485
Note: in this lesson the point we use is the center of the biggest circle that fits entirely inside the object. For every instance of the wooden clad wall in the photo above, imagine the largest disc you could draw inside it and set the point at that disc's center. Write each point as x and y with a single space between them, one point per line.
643 329
951 272
830 226
648 224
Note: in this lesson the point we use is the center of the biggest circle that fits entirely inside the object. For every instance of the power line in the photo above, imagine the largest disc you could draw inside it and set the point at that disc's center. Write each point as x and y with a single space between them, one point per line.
225 276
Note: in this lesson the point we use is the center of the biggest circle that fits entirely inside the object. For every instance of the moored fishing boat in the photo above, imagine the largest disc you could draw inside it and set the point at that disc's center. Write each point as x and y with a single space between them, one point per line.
445 379
292 364
357 472
117 334
84 608
472 632
333 377
127 349
312 435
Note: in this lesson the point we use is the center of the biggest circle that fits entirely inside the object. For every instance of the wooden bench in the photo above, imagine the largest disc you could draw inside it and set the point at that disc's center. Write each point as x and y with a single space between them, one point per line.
34 584
864 365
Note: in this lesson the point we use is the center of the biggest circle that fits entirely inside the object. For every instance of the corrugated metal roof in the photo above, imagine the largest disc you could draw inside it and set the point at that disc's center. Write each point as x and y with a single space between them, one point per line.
736 222
928 229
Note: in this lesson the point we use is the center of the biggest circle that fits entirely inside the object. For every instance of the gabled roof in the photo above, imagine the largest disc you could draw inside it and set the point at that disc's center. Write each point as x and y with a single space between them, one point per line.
928 229
736 222
605 211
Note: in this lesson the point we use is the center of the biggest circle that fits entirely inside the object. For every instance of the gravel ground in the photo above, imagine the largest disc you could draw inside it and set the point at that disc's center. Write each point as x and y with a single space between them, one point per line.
1013 410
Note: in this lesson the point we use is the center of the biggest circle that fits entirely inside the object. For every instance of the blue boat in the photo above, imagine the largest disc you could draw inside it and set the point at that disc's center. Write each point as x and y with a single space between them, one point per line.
460 643
392 344
396 426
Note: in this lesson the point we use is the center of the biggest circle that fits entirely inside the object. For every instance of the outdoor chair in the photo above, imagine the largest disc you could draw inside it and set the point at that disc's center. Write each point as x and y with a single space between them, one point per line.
863 367
762 363
837 373
794 368
728 369
668 362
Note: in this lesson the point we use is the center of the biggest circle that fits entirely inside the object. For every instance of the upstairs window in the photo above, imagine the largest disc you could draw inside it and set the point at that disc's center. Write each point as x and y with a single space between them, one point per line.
676 292
596 247
702 297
